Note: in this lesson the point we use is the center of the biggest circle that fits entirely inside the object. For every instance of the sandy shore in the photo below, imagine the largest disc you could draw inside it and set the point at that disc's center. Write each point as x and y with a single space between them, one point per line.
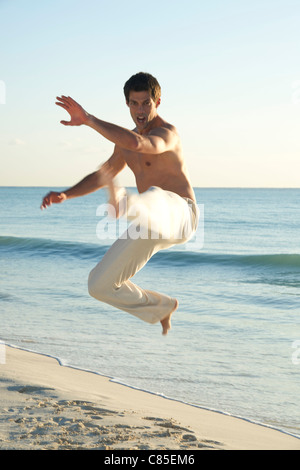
44 405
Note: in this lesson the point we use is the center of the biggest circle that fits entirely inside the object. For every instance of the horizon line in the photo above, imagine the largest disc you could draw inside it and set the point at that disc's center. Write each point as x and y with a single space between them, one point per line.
195 187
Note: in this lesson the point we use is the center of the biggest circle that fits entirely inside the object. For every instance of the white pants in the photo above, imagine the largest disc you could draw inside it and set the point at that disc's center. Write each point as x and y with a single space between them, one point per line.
161 219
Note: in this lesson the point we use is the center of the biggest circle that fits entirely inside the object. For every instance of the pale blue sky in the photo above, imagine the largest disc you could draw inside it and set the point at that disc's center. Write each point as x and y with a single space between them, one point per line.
229 71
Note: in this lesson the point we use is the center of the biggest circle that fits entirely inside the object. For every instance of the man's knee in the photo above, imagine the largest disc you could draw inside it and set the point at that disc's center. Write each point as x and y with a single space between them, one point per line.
96 286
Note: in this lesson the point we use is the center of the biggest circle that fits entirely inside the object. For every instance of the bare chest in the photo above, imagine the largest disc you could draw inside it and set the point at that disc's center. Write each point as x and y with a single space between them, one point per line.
143 163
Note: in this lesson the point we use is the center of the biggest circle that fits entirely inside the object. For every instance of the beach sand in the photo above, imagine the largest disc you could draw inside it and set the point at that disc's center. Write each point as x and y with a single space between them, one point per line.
44 405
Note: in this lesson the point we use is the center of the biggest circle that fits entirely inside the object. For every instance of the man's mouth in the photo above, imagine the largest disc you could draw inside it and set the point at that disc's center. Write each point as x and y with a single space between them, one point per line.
141 120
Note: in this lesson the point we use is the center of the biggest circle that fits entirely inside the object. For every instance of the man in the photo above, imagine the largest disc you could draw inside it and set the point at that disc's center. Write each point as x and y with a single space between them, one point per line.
152 150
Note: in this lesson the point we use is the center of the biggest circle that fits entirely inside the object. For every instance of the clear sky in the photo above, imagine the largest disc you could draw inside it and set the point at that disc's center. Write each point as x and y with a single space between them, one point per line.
229 72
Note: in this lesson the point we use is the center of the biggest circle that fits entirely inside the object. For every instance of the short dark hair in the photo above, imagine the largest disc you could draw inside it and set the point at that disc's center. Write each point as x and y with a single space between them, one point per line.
143 82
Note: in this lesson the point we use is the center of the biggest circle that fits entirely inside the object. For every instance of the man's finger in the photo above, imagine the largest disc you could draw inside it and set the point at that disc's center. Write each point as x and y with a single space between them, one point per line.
64 101
71 101
66 123
63 105
43 205
64 98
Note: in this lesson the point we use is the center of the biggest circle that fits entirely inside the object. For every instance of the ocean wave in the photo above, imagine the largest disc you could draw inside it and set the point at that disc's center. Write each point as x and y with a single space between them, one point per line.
175 257
232 259
47 247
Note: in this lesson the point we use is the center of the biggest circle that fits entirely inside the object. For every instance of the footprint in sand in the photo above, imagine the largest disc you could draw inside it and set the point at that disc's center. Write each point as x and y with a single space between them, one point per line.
30 389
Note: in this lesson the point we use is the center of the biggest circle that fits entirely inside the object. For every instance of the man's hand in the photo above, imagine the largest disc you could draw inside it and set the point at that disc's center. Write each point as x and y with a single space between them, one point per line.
78 115
53 197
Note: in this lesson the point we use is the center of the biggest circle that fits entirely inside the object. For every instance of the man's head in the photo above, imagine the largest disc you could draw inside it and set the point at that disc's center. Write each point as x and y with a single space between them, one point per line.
143 82
142 92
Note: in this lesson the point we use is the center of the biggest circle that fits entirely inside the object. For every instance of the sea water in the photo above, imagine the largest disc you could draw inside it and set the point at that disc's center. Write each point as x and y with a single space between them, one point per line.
234 346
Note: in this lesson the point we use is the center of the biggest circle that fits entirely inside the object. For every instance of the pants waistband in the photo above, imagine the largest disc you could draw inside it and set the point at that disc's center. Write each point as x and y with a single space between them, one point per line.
190 201
194 208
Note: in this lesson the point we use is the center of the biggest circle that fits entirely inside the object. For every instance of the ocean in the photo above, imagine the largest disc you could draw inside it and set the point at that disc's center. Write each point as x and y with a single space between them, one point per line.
234 346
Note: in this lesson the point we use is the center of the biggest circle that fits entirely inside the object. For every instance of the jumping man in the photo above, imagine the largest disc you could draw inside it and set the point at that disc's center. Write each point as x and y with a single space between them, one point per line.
152 150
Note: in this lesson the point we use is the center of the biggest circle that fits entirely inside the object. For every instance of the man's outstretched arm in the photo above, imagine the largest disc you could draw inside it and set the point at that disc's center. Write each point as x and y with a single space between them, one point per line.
89 184
156 142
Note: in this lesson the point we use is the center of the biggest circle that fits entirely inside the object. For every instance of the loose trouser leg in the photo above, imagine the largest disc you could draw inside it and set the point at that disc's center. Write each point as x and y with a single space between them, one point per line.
109 280
171 222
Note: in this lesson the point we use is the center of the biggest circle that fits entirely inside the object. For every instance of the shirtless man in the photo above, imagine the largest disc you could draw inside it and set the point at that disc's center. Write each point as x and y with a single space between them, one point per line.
152 150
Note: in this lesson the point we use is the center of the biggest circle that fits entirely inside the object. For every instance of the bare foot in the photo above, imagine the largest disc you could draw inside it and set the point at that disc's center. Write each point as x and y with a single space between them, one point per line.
166 322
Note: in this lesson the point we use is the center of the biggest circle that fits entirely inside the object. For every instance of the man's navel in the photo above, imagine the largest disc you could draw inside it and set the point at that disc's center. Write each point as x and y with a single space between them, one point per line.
148 163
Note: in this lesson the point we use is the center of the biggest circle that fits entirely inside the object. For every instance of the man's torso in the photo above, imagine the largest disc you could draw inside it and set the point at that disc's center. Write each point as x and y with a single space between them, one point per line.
167 170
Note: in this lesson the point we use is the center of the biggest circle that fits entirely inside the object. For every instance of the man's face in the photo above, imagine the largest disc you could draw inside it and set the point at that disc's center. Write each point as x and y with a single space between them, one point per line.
142 108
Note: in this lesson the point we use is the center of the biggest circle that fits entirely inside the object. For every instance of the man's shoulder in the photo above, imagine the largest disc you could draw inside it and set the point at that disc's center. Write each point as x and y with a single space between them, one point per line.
170 127
164 127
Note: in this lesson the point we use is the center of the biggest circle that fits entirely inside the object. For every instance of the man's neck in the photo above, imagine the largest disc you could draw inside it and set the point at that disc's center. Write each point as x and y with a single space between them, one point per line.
155 122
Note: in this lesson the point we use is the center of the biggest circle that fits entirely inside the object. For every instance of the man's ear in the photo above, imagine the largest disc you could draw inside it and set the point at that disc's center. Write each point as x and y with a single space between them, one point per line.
158 102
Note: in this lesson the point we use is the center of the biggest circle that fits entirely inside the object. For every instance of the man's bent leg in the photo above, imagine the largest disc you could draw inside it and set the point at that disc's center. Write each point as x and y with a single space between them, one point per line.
109 280
168 221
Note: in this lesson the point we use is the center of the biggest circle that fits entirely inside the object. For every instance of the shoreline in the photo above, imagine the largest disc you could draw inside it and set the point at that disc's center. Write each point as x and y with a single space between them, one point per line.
113 379
48 405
